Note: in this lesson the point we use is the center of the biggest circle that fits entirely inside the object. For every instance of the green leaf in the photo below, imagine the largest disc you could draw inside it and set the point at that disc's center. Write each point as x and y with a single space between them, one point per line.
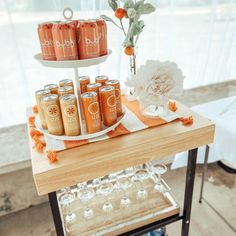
135 29
128 4
138 4
106 18
147 8
131 12
113 4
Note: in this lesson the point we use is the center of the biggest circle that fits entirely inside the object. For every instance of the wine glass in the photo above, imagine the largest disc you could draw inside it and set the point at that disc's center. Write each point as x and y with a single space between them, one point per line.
66 198
70 220
159 170
85 195
124 182
106 189
141 174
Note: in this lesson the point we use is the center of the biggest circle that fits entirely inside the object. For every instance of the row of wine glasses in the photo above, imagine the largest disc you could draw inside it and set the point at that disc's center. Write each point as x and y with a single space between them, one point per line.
104 186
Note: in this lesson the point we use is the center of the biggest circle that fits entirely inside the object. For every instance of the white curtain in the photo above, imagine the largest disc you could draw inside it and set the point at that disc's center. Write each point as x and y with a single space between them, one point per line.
199 35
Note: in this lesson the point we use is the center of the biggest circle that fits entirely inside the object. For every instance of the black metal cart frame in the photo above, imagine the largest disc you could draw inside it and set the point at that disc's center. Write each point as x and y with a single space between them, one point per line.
184 216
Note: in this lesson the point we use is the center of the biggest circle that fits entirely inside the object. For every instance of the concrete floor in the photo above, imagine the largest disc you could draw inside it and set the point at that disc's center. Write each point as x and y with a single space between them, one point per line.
220 191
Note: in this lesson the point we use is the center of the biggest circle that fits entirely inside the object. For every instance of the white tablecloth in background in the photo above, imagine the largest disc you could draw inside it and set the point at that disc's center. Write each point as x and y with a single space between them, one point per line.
223 113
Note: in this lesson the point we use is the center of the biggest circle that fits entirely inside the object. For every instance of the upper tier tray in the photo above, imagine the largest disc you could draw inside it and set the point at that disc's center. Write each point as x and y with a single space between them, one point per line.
72 63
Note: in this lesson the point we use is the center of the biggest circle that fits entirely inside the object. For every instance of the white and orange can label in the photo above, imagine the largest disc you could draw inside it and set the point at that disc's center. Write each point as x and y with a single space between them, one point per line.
91 111
70 115
116 85
46 41
39 95
108 105
88 39
53 114
64 39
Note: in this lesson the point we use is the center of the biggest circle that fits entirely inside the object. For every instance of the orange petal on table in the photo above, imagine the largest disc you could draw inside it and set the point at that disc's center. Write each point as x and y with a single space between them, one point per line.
35 132
172 106
31 121
52 156
39 146
186 120
35 109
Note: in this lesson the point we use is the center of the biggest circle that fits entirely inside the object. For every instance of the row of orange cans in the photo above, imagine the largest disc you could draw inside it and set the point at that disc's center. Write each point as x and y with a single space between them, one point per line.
73 40
58 110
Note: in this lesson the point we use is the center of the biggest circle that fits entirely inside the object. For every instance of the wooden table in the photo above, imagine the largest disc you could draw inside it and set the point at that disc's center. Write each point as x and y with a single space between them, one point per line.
101 158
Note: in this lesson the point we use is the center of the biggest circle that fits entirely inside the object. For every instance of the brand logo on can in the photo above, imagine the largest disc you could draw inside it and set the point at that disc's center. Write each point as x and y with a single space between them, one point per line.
111 101
53 110
93 108
67 44
92 42
70 110
47 43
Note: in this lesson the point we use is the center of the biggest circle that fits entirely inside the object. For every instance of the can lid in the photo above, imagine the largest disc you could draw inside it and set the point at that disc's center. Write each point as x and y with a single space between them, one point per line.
50 86
94 85
106 88
49 97
67 97
65 81
42 91
65 88
101 77
89 95
85 77
113 81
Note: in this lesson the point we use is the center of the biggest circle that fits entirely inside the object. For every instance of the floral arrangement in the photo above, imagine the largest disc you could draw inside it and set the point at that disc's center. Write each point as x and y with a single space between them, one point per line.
156 79
131 11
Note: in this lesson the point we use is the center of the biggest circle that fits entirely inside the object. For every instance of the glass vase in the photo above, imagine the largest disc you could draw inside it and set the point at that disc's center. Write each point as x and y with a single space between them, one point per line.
132 69
155 109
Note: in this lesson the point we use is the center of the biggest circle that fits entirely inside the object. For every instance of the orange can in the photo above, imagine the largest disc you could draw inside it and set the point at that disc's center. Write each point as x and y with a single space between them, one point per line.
102 31
116 85
52 113
39 95
101 79
52 87
66 82
70 115
83 82
91 112
65 90
108 105
94 87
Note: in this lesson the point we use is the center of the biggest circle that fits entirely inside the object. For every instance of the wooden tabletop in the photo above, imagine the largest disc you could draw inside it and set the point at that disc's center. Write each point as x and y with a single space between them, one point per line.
100 158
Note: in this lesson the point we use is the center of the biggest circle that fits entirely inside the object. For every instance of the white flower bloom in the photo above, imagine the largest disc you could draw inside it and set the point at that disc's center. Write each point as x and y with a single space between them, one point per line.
155 79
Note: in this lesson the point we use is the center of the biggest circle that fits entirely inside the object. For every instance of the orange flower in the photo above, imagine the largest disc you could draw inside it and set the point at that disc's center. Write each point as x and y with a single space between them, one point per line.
52 156
121 13
35 109
31 121
40 146
186 120
35 132
129 51
172 106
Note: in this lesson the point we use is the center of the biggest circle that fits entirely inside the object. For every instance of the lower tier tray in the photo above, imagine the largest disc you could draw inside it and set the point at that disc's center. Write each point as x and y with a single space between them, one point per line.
157 206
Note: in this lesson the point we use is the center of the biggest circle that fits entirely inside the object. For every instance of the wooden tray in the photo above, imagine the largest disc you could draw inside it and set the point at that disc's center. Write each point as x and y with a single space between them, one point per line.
141 212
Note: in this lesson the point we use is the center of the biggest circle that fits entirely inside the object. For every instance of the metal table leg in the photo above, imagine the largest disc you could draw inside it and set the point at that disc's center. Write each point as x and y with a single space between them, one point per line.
190 175
56 213
204 172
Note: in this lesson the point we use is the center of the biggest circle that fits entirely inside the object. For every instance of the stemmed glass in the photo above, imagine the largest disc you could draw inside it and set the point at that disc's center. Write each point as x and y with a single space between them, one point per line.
124 182
159 170
141 174
85 194
66 198
106 189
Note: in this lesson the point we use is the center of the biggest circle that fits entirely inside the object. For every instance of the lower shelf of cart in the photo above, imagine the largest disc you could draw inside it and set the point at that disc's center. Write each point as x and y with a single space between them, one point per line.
155 207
